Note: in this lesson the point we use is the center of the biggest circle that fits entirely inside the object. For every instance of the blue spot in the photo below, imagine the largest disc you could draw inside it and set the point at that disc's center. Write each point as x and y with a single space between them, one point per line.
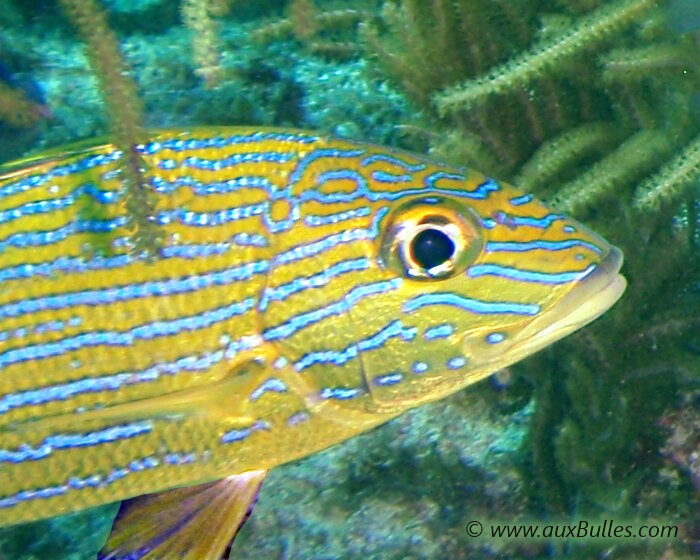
420 367
242 433
271 384
235 435
441 331
495 338
339 393
280 362
520 200
456 362
297 418
389 379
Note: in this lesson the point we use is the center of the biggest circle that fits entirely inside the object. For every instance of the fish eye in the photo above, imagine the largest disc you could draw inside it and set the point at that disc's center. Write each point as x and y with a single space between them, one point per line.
431 248
431 238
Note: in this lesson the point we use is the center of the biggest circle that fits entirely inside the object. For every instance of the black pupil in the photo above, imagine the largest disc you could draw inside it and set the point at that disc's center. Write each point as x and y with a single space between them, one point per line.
431 248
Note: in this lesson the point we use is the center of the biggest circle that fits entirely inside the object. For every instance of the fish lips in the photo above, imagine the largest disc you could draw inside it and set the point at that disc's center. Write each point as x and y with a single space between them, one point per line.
588 300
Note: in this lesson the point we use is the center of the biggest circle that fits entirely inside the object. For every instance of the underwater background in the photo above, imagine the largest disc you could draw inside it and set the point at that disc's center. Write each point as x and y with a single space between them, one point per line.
594 106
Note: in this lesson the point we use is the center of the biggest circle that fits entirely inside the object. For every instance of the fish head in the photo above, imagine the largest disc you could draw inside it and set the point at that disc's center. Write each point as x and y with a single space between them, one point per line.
488 276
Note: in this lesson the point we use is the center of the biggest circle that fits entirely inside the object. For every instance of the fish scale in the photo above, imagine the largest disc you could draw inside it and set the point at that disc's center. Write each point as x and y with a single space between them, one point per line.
267 328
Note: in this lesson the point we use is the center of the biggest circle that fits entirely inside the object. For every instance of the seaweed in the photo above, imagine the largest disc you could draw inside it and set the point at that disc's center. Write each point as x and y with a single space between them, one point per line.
124 111
327 32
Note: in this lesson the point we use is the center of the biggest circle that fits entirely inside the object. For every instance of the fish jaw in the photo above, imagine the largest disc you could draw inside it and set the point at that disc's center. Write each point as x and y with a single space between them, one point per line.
589 299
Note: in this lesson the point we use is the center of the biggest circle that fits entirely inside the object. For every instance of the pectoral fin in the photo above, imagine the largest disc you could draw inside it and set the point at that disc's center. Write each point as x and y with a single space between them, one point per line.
192 523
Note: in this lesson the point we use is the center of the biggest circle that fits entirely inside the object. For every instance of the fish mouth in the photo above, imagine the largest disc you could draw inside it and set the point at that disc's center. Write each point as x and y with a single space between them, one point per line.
588 300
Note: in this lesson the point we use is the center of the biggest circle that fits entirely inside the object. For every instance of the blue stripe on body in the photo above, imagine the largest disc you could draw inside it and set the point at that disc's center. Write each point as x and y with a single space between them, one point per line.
97 480
393 160
199 188
275 226
303 320
38 207
204 164
393 178
251 240
363 189
313 220
394 329
189 363
71 441
207 219
39 180
522 246
147 331
195 250
65 391
283 291
41 238
326 243
520 275
40 328
471 305
178 144
528 221
76 265
311 157
128 292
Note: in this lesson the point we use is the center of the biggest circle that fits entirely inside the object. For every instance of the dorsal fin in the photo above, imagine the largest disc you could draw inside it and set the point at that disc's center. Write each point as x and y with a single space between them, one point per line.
191 523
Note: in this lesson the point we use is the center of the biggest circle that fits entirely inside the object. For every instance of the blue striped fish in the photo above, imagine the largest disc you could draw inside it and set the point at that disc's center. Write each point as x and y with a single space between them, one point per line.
307 290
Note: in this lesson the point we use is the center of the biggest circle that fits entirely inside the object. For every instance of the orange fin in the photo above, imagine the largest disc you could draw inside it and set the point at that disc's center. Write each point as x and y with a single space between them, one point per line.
191 523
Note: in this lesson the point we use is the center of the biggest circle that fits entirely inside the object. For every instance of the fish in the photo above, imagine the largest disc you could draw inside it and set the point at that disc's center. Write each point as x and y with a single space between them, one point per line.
307 290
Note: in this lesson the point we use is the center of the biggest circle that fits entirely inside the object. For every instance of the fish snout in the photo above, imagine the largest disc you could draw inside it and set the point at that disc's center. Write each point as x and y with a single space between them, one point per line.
590 297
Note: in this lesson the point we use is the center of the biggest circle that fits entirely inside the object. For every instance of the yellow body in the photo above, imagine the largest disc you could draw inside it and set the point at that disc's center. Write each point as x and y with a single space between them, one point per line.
277 320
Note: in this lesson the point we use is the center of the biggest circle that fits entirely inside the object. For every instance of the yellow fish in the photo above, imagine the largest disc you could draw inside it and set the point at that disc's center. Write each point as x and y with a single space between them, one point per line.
308 289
